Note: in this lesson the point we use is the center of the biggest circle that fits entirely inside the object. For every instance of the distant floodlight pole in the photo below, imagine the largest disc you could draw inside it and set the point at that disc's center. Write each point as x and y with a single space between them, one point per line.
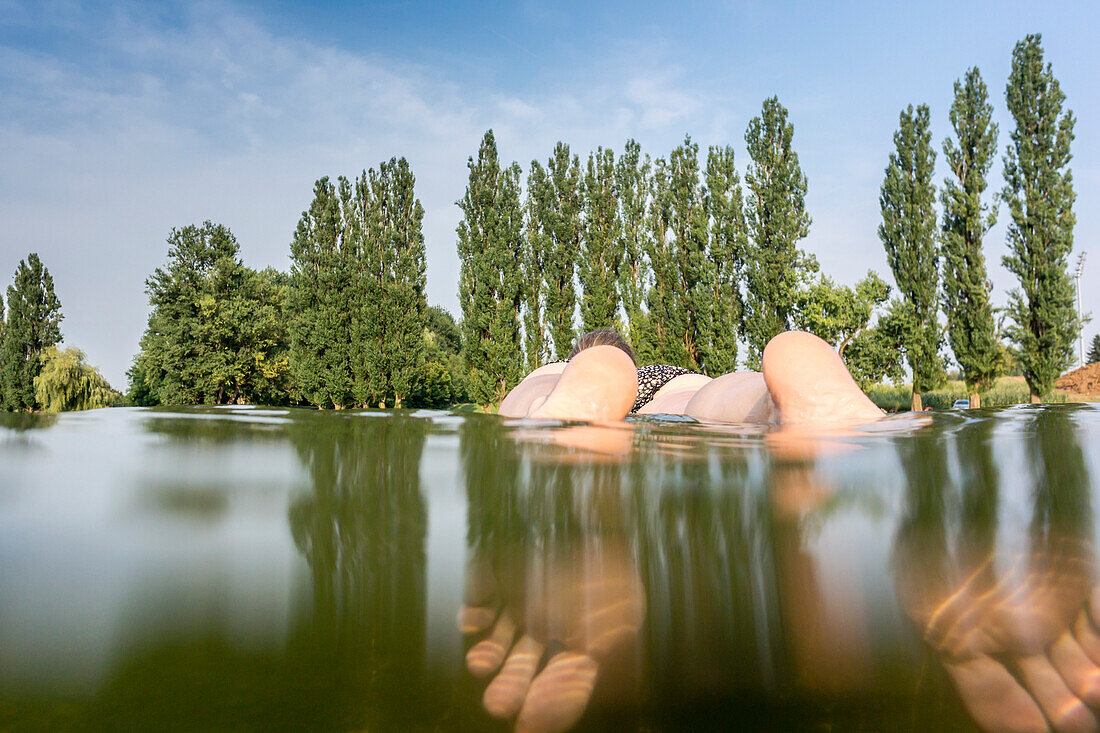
1080 327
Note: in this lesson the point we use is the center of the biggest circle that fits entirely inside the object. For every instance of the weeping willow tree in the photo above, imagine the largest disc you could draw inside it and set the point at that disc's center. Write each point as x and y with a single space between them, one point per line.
67 382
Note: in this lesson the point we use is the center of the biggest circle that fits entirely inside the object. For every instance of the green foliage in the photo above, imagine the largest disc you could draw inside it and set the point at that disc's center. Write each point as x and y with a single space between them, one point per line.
875 353
775 211
1001 393
490 251
321 302
908 232
601 255
681 298
692 288
725 262
537 240
66 383
966 220
387 281
1094 350
558 201
1039 194
664 319
216 334
632 177
442 382
33 325
837 313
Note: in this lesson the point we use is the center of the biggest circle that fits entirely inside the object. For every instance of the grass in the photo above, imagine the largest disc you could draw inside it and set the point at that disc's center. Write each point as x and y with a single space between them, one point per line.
1006 391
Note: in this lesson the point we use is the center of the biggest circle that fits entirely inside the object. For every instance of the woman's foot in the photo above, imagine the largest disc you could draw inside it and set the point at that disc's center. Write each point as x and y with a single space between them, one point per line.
810 384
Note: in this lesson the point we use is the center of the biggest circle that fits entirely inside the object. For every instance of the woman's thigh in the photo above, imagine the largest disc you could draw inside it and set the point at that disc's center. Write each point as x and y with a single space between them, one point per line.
739 397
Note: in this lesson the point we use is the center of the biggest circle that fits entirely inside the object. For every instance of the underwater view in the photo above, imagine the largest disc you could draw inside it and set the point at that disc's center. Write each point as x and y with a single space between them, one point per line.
247 568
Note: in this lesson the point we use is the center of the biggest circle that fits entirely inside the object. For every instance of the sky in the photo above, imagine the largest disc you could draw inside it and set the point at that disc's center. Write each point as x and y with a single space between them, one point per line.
122 120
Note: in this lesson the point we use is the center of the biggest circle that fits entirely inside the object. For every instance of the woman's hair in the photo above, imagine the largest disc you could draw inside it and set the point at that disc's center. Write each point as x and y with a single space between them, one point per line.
602 337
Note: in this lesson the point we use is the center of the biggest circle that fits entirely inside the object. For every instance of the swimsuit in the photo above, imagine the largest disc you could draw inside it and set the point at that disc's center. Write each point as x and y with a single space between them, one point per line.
651 378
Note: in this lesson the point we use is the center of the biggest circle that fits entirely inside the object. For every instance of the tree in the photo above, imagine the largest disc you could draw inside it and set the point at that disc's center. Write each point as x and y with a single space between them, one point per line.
602 248
67 382
632 177
660 330
537 239
33 325
558 203
875 354
838 313
2 325
490 252
216 333
1094 350
908 232
966 219
775 211
387 265
442 383
321 301
1039 194
692 284
726 261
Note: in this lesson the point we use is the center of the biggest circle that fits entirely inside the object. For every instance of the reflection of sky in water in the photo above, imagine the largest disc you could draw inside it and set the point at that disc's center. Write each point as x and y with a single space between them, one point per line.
126 529
110 534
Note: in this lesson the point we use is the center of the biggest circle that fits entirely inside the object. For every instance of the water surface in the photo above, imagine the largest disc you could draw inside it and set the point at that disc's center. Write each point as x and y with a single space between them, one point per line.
248 568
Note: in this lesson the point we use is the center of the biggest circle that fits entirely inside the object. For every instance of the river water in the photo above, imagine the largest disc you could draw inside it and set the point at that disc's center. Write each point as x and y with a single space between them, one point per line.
252 568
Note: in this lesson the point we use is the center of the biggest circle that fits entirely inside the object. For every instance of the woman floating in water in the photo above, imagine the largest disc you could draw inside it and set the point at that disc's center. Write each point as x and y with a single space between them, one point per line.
802 380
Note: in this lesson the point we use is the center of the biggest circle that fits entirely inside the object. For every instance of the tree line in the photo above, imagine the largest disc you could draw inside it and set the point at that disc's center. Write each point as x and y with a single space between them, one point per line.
34 373
689 261
696 264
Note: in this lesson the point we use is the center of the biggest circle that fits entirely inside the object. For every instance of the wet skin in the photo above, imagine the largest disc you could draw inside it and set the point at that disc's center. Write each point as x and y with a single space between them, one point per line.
803 381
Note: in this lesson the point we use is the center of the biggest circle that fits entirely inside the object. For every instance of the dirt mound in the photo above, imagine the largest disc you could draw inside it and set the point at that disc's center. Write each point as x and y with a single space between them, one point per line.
1085 380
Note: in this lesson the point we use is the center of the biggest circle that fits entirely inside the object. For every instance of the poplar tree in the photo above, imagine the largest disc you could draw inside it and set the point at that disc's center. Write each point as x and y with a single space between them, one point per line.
2 326
632 178
602 249
694 283
725 255
908 233
536 245
966 220
33 325
559 207
322 302
389 278
490 251
660 338
1039 194
775 212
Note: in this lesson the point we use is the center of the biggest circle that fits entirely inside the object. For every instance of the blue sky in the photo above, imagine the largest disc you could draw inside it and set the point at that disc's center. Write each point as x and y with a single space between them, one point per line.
120 120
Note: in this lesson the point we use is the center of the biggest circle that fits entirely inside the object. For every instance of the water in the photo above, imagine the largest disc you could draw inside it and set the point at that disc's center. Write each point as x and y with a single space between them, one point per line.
246 568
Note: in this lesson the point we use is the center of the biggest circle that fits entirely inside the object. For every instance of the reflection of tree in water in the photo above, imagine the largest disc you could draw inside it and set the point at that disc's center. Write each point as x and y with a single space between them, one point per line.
362 531
353 660
970 598
698 531
704 534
